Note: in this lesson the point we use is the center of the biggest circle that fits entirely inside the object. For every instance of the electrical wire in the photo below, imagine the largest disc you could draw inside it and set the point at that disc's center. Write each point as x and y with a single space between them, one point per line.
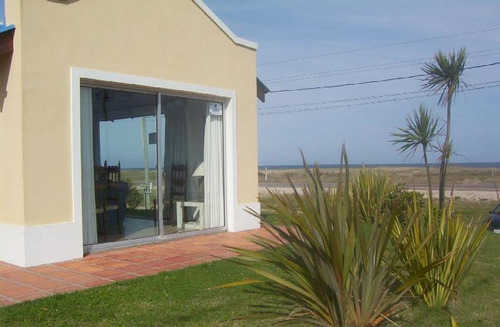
360 98
391 79
389 45
367 68
370 102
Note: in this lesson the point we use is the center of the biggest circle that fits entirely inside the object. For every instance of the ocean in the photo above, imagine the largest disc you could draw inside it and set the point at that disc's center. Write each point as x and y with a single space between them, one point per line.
458 164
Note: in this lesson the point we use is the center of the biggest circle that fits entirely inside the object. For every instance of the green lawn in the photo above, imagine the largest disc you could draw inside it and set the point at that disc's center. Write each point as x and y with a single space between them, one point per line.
178 298
184 298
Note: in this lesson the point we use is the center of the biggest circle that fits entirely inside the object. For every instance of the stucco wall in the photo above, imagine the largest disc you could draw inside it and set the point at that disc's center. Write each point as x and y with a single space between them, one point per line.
11 137
171 40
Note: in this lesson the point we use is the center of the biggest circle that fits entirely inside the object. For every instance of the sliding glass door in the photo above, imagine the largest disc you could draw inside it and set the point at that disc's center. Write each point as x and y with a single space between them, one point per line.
123 134
120 165
192 164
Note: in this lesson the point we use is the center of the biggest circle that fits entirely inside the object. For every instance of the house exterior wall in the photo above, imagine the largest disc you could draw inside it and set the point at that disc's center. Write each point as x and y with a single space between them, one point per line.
169 40
11 137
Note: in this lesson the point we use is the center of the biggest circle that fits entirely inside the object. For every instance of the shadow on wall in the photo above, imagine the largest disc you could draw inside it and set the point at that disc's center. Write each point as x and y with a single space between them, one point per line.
5 62
64 2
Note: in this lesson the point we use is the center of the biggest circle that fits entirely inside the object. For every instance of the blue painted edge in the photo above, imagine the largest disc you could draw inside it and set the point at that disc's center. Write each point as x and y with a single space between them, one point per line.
7 28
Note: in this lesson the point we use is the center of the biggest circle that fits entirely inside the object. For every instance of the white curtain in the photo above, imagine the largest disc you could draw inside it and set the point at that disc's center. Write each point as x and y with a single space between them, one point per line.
213 156
88 195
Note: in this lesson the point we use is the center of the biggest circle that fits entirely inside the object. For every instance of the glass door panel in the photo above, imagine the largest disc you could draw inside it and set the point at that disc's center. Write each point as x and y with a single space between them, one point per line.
124 151
120 143
192 185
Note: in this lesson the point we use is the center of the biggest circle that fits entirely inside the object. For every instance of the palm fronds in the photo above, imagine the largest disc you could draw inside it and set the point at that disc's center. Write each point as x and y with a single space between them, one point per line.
444 74
421 130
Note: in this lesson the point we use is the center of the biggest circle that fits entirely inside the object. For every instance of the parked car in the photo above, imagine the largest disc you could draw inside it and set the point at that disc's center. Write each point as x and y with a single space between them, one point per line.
494 219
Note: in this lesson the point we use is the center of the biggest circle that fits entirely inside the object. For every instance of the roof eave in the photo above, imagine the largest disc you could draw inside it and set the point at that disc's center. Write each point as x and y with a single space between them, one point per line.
7 39
238 40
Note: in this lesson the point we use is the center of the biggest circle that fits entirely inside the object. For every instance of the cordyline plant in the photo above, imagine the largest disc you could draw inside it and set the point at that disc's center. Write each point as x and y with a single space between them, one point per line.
444 76
337 270
452 240
421 130
372 189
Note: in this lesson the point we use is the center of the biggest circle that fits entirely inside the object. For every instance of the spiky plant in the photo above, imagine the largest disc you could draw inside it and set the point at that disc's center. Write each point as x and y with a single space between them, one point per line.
420 131
338 271
445 76
372 188
437 235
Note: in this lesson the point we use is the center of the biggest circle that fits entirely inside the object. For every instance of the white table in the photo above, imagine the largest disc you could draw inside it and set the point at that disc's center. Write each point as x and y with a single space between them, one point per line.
200 211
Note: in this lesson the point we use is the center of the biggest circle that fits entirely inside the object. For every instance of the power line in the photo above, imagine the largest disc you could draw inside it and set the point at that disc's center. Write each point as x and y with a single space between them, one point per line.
485 65
348 84
367 68
343 100
369 102
360 98
389 45
369 82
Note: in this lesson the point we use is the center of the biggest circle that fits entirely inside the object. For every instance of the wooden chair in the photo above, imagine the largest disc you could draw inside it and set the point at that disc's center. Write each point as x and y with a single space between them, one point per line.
107 193
177 187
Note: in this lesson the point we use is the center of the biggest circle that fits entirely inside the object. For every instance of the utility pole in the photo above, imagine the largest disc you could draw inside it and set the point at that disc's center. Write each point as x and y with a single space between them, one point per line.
145 144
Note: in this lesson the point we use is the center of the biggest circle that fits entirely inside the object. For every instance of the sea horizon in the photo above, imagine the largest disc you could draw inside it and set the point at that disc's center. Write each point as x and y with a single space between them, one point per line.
275 167
456 164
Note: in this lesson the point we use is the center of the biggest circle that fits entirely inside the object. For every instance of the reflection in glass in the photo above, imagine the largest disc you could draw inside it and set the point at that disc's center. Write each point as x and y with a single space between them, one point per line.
193 163
120 143
123 162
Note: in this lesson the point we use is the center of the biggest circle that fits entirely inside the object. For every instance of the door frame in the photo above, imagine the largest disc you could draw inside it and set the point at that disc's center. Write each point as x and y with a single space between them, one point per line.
96 78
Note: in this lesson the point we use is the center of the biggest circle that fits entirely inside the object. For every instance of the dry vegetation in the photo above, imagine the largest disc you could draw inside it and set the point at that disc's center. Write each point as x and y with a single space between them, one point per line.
460 177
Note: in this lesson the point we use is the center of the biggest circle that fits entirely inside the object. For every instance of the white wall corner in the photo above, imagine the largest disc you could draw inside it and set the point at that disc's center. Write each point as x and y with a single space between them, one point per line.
12 245
53 243
243 219
38 245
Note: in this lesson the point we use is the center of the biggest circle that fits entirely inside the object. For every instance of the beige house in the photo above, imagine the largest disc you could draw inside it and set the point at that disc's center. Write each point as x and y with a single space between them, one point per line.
122 122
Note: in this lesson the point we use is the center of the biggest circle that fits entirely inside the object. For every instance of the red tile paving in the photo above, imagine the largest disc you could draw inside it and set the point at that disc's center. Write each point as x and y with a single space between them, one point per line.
97 269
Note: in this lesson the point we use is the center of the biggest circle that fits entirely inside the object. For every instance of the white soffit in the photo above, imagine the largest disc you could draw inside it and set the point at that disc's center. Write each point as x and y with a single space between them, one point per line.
223 27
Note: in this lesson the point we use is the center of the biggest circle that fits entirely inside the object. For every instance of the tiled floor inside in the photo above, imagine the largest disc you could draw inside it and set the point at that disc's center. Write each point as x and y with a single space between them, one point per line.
23 284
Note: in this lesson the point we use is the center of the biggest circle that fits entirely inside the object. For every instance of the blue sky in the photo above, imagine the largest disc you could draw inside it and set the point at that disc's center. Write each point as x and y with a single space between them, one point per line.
291 29
2 12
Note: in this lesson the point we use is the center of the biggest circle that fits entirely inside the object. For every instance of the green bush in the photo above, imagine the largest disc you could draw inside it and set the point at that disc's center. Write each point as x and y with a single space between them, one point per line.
134 198
399 199
339 270
437 236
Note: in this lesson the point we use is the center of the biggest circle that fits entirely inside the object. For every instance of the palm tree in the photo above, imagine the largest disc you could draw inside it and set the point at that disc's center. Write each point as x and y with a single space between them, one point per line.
444 76
421 130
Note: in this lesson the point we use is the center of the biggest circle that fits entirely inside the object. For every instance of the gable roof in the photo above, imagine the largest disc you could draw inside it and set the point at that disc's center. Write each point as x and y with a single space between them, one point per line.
223 27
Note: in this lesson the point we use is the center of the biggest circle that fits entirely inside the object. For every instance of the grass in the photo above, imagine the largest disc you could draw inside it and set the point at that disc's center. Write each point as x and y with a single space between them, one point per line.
178 298
476 302
185 297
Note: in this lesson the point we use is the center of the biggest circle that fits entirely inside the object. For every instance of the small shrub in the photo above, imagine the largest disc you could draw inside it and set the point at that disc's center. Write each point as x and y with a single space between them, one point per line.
399 199
437 236
134 198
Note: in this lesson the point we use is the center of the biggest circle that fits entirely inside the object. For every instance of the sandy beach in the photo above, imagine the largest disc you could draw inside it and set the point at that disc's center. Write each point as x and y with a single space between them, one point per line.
473 184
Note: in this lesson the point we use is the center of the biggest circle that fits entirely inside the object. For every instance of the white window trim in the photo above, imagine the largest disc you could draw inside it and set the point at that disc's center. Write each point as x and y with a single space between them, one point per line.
228 97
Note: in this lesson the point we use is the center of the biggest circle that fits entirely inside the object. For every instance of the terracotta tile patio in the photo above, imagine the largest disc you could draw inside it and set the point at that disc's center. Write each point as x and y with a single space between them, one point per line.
23 284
